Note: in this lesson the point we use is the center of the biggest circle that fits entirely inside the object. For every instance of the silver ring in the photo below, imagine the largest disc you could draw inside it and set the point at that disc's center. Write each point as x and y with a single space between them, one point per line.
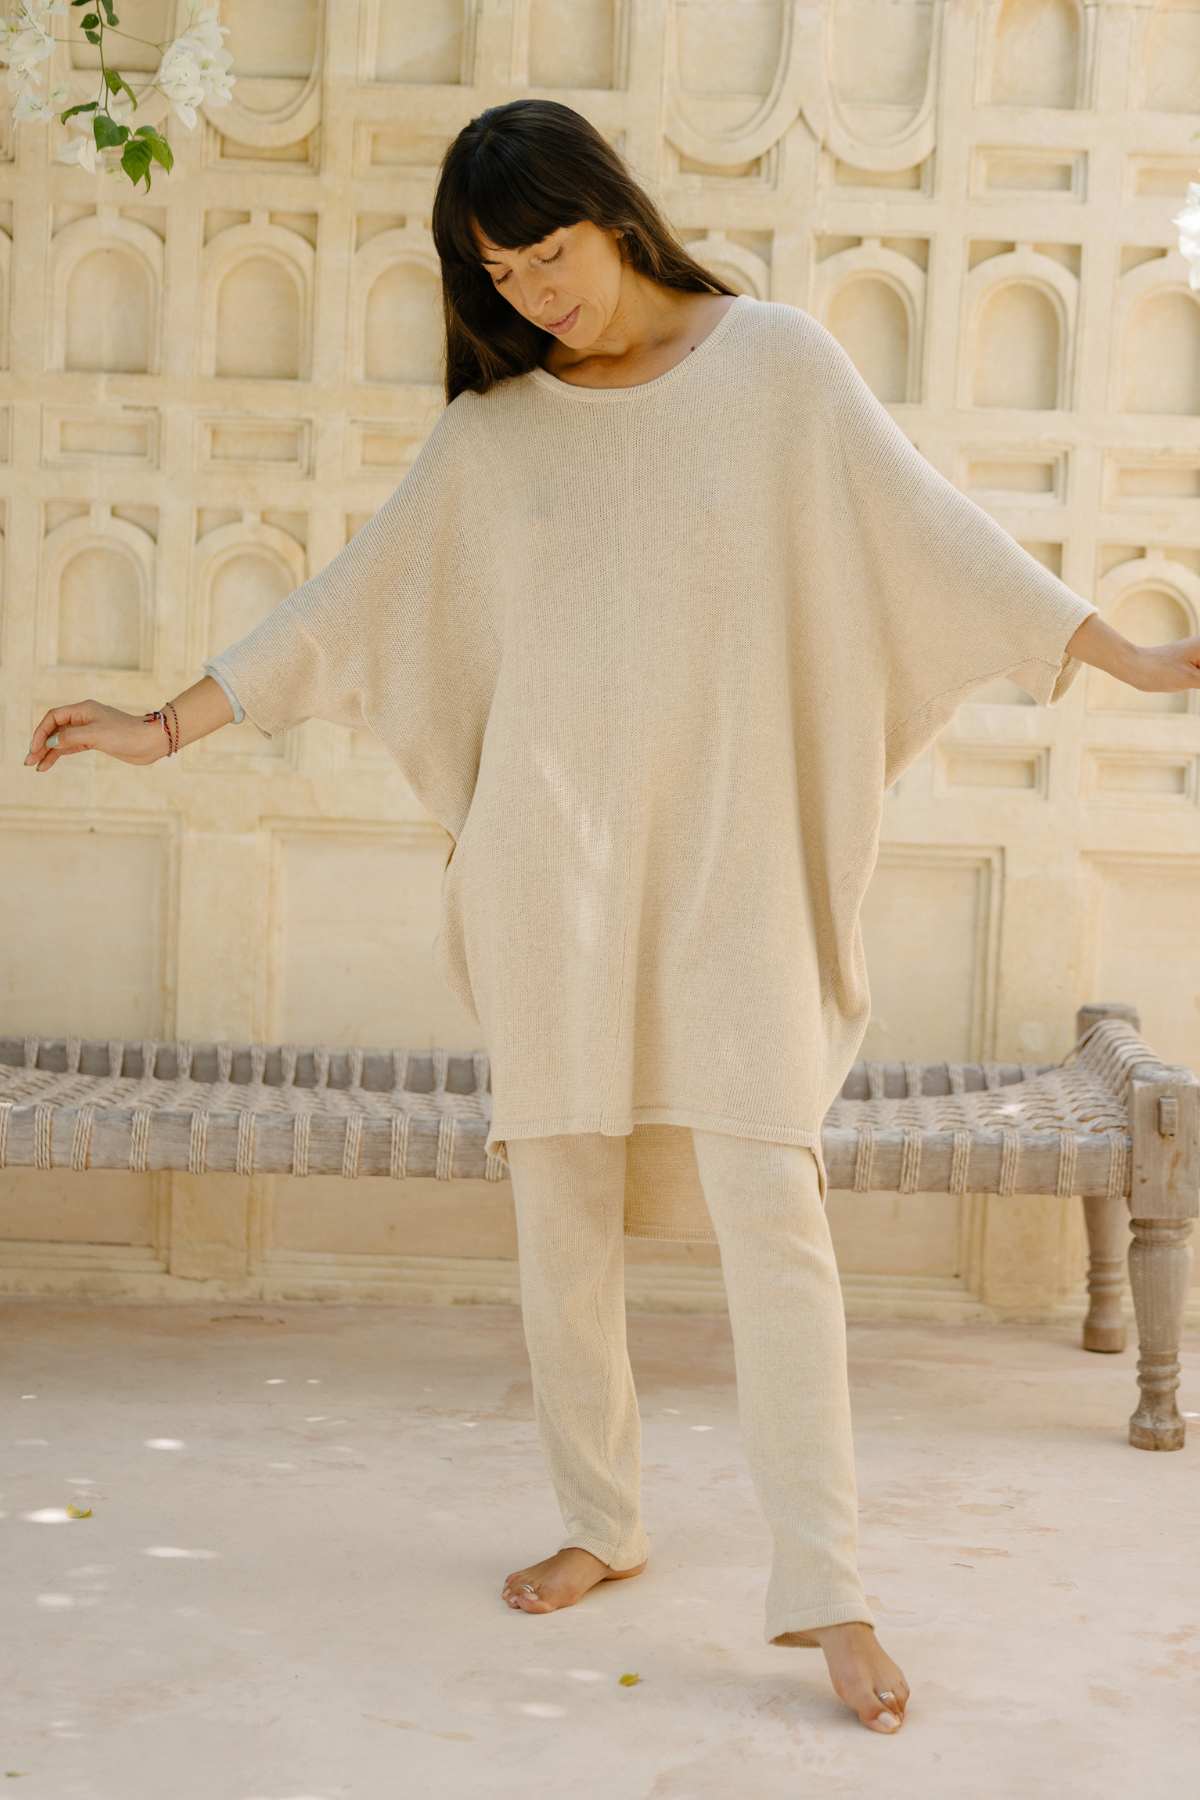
527 1589
884 1694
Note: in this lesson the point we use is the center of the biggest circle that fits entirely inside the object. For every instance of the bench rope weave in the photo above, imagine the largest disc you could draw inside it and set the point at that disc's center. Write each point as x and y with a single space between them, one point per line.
1111 1123
304 1110
241 1109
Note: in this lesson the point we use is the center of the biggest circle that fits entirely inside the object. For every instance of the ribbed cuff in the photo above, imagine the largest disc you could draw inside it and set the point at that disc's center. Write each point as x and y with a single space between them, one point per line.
813 1616
617 1556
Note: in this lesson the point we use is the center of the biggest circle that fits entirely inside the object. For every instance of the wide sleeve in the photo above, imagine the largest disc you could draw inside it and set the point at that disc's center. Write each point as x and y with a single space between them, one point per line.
395 635
222 681
946 599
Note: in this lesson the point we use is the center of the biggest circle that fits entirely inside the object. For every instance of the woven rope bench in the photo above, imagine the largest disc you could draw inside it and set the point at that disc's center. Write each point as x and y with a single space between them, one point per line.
1111 1123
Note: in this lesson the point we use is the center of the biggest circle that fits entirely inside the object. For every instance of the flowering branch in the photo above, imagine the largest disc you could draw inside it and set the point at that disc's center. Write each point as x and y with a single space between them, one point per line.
194 68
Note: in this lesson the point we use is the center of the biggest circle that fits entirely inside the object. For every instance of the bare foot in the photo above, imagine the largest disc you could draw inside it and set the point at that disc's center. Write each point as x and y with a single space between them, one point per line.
560 1580
858 1665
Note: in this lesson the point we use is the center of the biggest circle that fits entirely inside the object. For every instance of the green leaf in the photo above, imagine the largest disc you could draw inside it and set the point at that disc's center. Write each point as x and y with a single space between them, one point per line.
109 14
116 82
106 131
93 37
89 19
84 106
135 160
160 150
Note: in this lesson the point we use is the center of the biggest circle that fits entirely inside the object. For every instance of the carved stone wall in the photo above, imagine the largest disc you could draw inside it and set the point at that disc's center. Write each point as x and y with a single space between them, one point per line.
205 389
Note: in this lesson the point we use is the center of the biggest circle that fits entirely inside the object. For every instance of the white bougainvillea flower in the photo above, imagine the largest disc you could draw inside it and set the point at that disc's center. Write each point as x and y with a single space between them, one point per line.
1188 222
26 42
195 67
179 78
31 104
81 145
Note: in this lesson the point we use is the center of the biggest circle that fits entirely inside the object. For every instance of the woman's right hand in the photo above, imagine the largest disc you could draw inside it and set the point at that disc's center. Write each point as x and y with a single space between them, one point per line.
90 725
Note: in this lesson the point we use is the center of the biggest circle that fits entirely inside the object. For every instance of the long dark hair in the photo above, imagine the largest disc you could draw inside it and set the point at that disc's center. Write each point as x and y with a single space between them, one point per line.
520 171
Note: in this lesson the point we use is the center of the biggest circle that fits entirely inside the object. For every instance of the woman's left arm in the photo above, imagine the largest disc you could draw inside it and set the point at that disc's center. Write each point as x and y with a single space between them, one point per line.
1152 668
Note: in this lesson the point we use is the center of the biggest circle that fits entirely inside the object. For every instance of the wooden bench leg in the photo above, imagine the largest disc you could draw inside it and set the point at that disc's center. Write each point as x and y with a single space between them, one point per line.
1160 1260
1107 1223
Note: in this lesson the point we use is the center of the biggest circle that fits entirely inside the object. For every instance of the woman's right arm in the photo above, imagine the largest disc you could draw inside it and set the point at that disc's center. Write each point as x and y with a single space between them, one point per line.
90 725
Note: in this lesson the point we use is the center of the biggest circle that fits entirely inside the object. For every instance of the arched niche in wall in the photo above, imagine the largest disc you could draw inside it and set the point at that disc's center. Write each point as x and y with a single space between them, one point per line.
725 257
863 74
1157 336
95 608
1033 53
145 23
243 570
1019 338
882 65
106 279
577 46
277 62
257 312
1149 599
1166 56
276 50
777 67
424 42
875 319
872 300
397 332
726 61
273 43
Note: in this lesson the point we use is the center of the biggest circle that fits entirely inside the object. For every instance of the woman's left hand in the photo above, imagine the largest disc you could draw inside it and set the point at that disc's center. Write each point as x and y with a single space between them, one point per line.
1166 668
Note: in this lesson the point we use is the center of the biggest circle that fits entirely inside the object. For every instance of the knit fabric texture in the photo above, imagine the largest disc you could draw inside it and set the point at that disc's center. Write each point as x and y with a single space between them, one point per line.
652 656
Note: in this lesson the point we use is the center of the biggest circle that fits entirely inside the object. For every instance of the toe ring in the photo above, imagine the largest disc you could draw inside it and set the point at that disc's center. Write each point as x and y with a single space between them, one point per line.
527 1589
884 1694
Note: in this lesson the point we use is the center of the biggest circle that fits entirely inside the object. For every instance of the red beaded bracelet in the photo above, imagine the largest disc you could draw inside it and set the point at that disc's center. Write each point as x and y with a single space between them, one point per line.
172 739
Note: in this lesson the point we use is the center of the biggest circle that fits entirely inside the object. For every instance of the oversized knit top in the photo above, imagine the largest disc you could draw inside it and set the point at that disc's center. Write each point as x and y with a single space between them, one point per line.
652 656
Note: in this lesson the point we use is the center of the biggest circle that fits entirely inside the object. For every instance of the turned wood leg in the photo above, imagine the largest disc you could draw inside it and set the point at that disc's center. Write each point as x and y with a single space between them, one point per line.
1160 1260
1107 1220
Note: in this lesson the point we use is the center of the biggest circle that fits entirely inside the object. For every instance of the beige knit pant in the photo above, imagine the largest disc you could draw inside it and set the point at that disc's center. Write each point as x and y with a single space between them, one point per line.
789 1336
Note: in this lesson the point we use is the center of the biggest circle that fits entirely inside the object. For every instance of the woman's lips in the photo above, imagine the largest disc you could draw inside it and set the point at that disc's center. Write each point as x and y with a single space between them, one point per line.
562 324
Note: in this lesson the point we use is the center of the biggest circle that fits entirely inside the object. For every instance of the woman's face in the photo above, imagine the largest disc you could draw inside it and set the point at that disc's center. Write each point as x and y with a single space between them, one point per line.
568 284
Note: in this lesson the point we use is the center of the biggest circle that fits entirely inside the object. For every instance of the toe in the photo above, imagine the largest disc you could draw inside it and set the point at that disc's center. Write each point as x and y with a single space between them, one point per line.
877 1714
900 1697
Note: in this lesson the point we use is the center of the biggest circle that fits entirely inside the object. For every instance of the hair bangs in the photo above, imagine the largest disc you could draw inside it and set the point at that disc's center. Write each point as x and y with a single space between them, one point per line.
509 209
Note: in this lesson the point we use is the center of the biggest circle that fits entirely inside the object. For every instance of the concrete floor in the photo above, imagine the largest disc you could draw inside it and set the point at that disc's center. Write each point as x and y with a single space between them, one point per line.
302 1516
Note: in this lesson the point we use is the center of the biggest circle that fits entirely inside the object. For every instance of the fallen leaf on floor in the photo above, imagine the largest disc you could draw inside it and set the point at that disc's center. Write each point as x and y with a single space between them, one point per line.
629 1680
78 1512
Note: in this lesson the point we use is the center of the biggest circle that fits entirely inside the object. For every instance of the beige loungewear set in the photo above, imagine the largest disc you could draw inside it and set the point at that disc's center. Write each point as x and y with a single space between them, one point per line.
652 656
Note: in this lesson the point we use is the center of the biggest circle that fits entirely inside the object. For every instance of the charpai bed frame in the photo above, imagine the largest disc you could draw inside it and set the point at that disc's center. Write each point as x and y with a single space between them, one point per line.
1111 1123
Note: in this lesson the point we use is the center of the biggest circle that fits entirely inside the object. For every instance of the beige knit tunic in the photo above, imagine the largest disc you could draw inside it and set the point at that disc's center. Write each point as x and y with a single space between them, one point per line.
652 655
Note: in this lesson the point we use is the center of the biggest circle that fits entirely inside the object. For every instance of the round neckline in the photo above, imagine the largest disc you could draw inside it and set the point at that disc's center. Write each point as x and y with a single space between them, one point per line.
577 391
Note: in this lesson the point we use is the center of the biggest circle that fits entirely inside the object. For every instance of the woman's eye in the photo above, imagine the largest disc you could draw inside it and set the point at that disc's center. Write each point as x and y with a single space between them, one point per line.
500 279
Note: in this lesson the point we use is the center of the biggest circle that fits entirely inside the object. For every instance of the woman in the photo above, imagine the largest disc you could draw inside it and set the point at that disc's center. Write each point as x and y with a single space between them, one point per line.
665 603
